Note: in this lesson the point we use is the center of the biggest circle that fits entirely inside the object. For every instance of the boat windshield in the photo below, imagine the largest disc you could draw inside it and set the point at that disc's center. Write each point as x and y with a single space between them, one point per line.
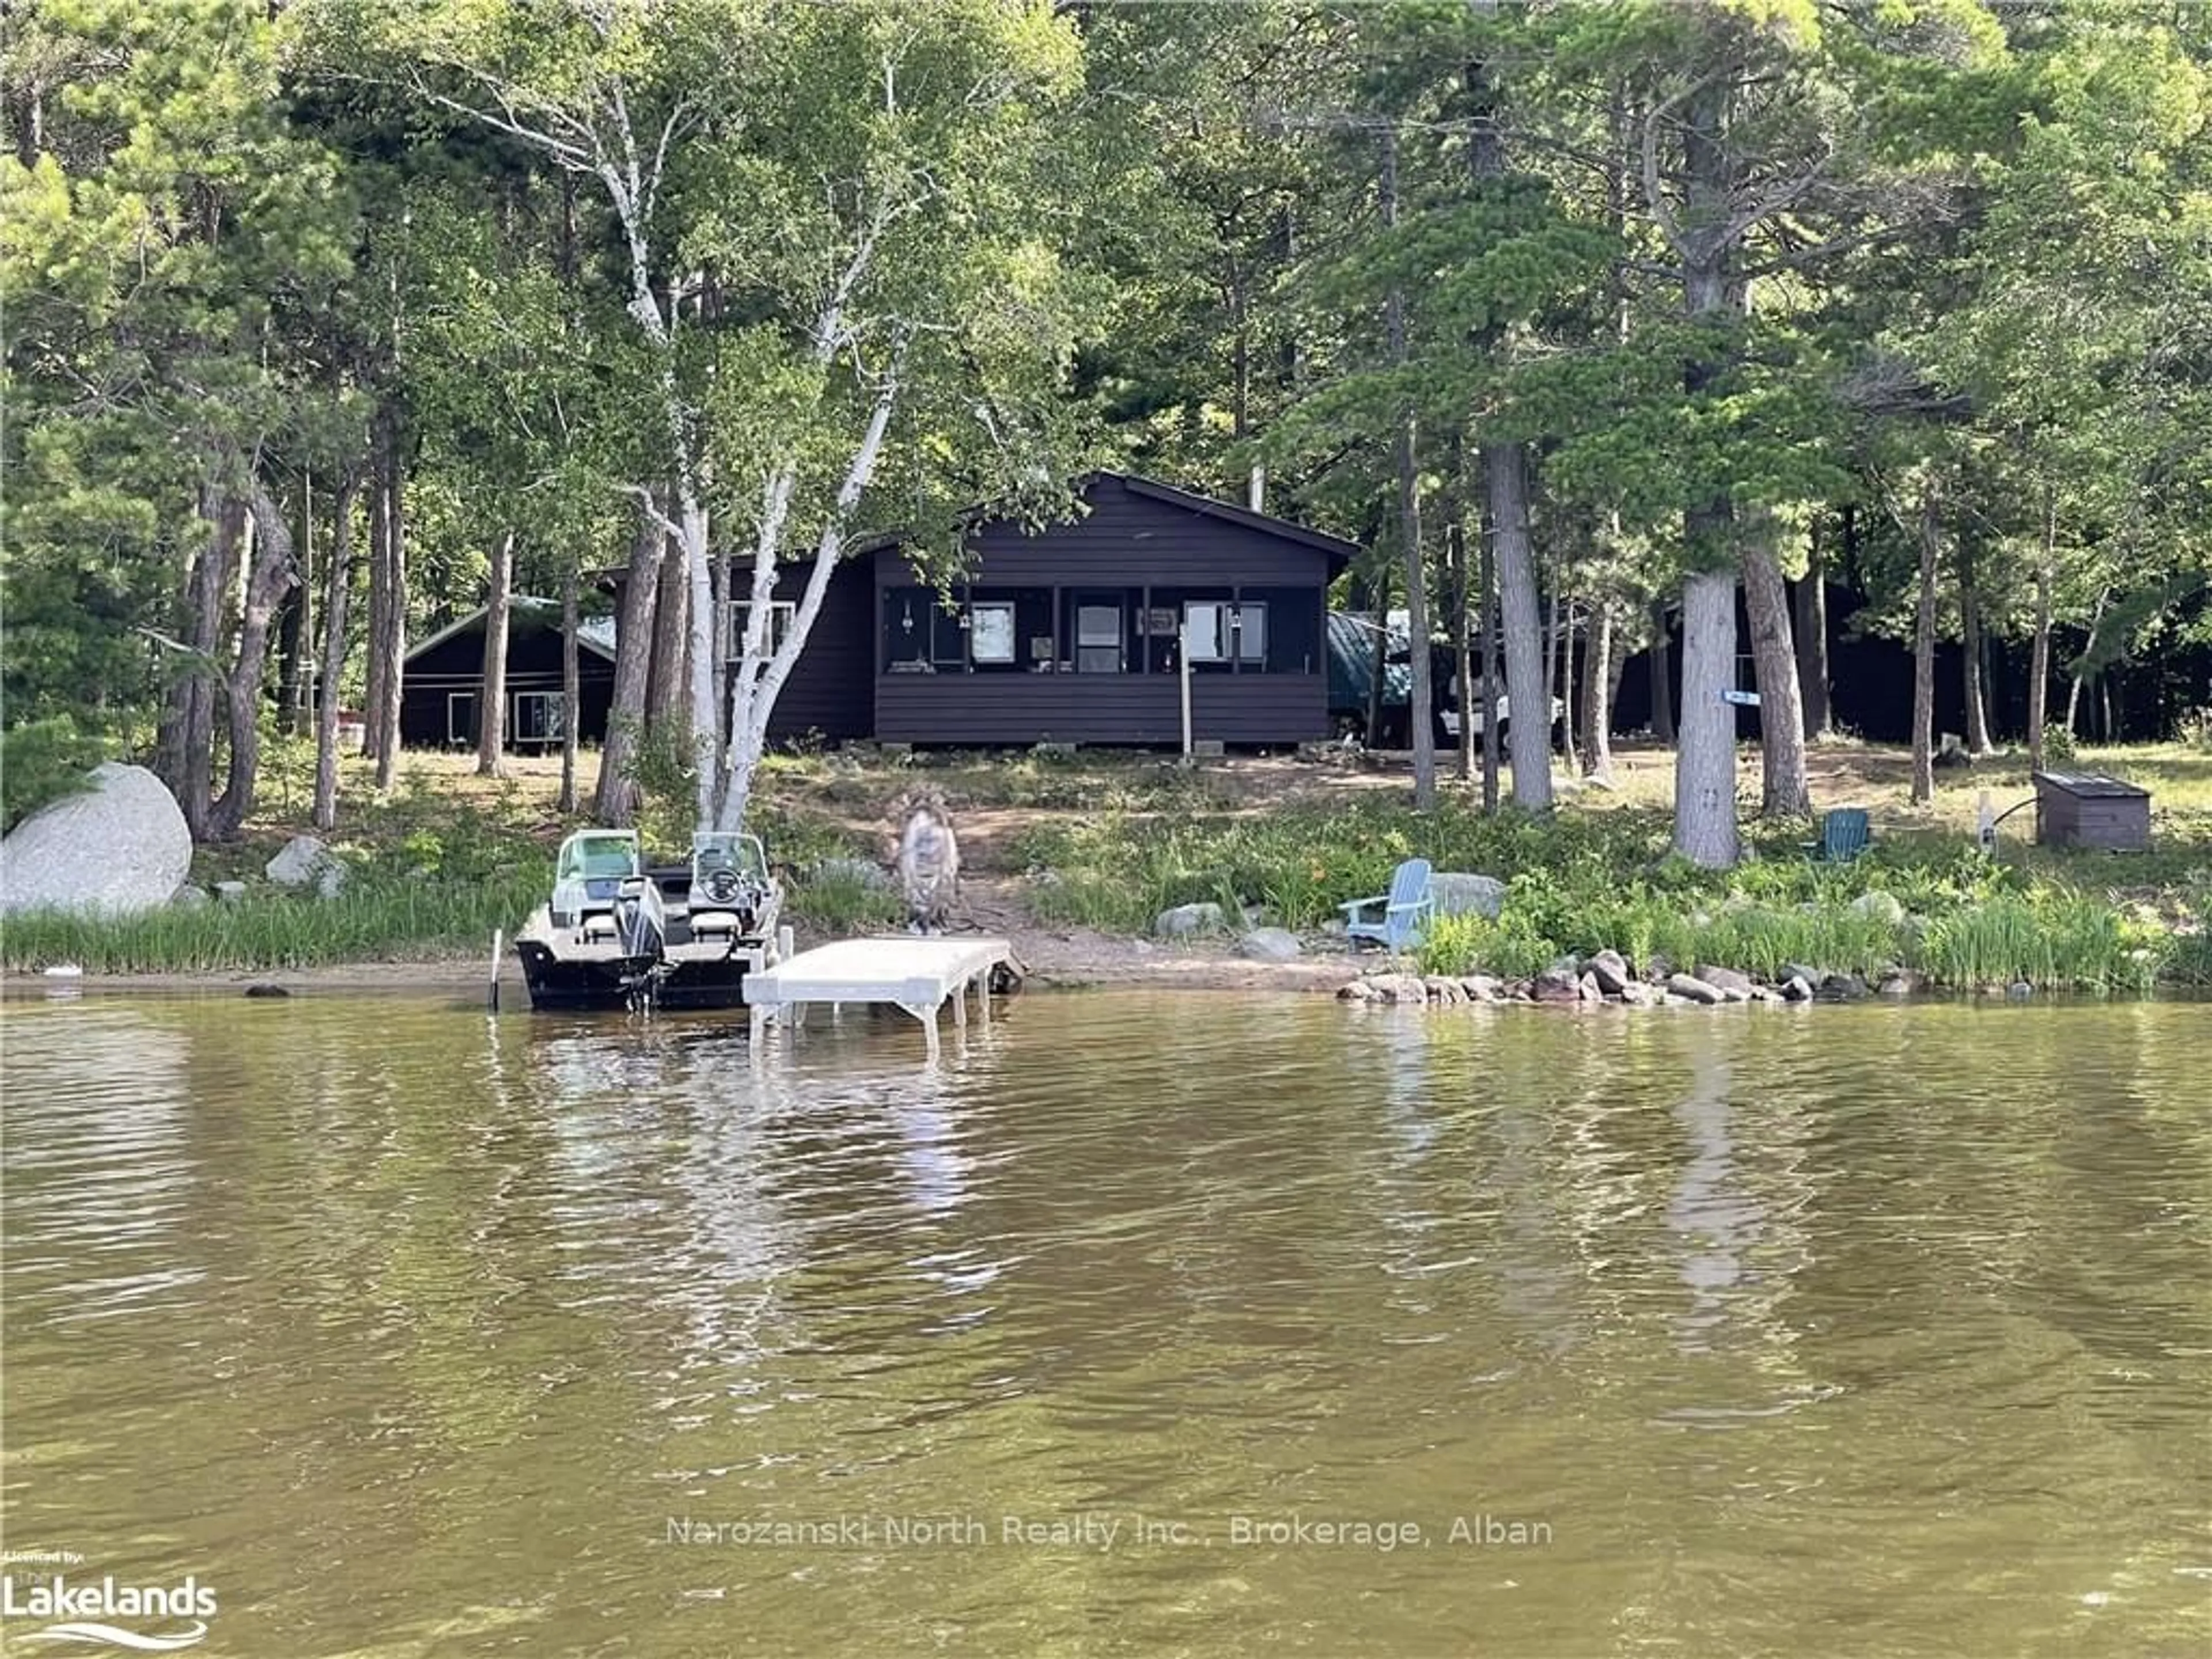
597 855
740 854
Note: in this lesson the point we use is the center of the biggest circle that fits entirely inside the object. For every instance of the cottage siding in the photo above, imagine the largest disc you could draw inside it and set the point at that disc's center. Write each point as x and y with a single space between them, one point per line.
1101 708
829 693
533 665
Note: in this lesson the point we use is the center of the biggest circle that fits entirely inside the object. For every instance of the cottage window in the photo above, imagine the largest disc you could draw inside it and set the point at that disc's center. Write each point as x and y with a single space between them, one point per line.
781 613
1226 632
540 717
991 631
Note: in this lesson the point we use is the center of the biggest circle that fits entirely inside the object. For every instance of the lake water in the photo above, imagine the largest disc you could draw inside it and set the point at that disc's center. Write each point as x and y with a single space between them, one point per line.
1144 1324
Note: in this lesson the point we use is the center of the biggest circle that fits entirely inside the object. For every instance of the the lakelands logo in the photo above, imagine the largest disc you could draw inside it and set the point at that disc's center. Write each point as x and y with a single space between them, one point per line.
86 1612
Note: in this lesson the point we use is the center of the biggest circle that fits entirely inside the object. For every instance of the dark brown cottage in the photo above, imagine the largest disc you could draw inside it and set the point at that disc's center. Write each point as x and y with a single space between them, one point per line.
1072 634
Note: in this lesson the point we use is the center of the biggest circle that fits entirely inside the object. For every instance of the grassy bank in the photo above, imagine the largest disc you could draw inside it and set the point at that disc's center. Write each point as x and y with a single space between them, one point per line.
1109 840
1591 881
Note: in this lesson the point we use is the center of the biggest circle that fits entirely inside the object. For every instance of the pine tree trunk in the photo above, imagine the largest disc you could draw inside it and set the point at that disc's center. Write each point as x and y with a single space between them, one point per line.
296 640
1505 541
2039 669
1552 672
379 595
1420 713
1528 697
616 804
1811 635
389 645
1462 645
1488 705
572 689
1923 656
1970 617
1570 705
185 746
1379 587
271 575
1597 687
1705 762
334 638
1783 792
491 692
1662 675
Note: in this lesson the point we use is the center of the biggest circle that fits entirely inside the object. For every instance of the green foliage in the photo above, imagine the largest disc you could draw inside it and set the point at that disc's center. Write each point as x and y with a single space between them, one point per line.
372 919
1580 884
834 902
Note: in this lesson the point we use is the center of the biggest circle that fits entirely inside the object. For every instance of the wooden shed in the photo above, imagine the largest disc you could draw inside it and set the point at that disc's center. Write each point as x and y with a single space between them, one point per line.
2091 809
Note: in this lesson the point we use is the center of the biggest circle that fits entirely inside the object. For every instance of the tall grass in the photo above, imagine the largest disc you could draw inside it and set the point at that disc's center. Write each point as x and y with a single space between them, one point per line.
366 922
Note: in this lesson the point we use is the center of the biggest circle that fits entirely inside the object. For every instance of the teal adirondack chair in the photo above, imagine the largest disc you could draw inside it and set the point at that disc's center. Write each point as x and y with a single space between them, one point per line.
1844 836
1407 909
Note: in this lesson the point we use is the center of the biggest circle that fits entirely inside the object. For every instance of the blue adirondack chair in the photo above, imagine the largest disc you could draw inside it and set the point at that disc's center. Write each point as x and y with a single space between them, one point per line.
1844 836
1406 909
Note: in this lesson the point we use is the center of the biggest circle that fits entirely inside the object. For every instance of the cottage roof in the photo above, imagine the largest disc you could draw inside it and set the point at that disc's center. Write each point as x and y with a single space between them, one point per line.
595 634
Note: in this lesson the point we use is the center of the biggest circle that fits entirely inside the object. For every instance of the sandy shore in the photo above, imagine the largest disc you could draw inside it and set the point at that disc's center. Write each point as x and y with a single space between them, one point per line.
1052 959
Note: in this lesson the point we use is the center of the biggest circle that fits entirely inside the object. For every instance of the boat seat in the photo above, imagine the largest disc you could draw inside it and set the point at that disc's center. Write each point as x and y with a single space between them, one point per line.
713 922
600 924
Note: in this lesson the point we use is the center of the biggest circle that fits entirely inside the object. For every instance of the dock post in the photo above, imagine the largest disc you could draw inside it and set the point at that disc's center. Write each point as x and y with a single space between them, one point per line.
498 937
959 1006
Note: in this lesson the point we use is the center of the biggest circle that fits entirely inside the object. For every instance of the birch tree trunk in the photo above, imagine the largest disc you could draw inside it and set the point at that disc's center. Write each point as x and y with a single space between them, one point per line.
616 804
272 576
491 695
1924 655
1970 628
2082 673
758 679
334 642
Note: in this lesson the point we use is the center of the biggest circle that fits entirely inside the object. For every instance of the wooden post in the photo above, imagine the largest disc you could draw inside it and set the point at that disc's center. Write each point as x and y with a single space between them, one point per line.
1183 668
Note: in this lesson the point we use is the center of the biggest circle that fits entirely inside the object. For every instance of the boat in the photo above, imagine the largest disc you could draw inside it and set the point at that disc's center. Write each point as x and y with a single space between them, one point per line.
618 934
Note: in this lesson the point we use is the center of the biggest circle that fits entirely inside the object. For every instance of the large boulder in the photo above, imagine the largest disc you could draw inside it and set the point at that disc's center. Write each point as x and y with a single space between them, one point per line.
303 862
1187 918
1270 945
121 848
1882 907
1458 894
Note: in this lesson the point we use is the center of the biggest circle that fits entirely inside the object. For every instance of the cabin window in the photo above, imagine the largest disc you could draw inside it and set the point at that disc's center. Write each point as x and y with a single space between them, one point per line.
1227 632
539 717
780 614
991 631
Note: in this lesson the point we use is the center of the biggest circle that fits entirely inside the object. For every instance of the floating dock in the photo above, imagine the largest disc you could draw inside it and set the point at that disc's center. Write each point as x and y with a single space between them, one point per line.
918 974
